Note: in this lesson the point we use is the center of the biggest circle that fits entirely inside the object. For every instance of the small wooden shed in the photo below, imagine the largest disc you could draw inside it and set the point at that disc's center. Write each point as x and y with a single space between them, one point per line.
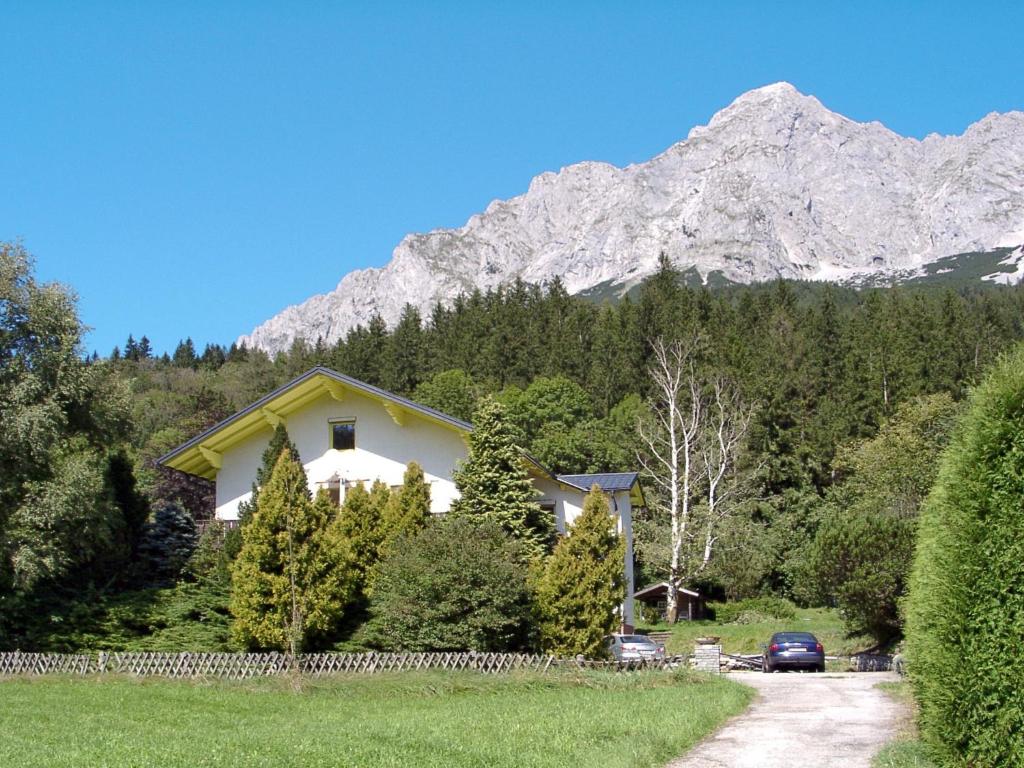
690 603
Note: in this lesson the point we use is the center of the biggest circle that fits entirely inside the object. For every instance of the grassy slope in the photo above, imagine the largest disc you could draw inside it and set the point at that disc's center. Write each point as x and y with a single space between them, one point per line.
907 751
402 720
824 623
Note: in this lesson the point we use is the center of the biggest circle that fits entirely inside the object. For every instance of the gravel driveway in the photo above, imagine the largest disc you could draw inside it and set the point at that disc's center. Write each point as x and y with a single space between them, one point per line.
819 720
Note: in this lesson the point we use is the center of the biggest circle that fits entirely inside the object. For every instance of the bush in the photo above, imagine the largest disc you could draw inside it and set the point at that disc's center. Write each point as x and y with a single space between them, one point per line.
185 617
965 609
456 585
754 610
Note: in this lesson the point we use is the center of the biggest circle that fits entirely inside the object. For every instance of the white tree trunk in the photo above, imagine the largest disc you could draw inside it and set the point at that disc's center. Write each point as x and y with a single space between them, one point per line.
690 452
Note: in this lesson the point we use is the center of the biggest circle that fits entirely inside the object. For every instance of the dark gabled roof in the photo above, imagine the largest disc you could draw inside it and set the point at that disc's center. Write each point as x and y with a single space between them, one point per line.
607 481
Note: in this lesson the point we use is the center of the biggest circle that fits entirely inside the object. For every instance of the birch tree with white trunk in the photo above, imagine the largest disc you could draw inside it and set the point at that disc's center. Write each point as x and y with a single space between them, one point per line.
691 442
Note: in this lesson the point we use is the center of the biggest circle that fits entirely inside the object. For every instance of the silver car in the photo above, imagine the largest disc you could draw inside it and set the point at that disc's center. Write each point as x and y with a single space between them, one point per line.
634 648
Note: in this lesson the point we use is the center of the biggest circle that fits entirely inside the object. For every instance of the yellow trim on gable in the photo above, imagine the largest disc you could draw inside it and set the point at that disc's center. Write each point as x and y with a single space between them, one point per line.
204 460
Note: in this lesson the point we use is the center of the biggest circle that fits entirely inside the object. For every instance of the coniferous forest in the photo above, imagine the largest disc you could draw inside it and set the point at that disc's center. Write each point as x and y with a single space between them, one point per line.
841 381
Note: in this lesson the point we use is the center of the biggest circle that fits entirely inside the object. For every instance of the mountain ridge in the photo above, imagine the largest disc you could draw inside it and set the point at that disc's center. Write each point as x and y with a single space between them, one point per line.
775 185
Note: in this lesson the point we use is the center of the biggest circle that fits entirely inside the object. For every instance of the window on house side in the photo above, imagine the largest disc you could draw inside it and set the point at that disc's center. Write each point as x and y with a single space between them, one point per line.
343 435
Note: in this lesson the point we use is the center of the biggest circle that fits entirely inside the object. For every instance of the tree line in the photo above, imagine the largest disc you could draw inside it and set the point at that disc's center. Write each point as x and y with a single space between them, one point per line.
826 371
825 367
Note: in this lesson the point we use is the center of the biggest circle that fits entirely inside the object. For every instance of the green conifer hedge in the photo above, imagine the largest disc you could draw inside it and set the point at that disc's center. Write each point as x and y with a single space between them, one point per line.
965 610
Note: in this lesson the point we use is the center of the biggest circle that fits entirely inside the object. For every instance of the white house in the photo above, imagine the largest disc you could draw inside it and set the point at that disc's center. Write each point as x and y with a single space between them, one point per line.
348 432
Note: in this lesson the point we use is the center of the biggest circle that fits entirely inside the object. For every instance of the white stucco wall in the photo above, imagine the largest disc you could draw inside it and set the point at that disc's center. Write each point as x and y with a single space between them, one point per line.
383 449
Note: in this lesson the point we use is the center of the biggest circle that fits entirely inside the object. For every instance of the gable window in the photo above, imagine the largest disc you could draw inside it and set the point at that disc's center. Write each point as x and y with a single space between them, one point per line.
343 434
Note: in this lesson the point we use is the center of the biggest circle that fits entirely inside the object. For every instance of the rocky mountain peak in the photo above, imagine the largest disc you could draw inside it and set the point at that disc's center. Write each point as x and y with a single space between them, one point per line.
775 185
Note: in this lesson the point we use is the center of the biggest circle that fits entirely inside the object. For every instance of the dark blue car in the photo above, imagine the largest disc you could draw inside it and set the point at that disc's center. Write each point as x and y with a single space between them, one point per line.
793 650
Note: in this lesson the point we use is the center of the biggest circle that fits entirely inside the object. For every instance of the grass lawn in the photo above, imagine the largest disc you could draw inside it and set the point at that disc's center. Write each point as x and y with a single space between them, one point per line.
435 719
907 751
824 623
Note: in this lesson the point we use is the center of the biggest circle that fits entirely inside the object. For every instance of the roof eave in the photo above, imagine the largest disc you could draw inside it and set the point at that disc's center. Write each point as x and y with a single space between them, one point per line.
179 457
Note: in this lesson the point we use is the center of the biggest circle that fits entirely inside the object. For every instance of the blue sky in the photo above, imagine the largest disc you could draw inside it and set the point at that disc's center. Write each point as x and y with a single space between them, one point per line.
192 168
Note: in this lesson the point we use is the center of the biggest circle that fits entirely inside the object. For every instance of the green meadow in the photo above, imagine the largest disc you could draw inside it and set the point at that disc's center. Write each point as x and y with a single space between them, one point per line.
451 720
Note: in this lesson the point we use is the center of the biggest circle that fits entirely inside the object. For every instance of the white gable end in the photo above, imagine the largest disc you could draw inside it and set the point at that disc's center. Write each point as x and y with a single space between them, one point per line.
383 449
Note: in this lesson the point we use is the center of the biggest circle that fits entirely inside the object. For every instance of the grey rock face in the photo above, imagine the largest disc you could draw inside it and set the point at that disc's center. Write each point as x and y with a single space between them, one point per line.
775 185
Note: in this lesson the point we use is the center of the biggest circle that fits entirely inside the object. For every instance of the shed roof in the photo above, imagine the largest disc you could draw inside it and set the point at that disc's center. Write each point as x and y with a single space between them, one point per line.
607 481
656 590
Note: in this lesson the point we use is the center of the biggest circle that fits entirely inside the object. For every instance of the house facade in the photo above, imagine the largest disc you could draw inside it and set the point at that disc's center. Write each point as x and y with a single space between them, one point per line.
348 432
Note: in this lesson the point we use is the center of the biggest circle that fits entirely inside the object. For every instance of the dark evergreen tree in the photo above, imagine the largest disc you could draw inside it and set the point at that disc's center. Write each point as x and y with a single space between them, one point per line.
185 354
403 367
167 544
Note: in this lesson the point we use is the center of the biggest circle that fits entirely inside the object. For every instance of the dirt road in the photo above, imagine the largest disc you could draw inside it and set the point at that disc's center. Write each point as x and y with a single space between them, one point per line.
819 720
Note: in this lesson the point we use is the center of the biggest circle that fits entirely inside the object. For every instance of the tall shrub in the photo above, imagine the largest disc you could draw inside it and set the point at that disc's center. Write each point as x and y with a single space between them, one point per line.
408 509
361 521
293 577
582 585
456 585
965 610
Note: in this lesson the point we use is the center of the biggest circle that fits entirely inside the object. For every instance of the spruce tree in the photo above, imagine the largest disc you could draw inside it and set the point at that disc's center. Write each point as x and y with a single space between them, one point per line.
167 543
403 365
408 509
493 483
582 584
185 354
292 578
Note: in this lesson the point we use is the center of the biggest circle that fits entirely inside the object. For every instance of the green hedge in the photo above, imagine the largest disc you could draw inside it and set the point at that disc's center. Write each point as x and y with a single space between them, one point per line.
965 609
754 610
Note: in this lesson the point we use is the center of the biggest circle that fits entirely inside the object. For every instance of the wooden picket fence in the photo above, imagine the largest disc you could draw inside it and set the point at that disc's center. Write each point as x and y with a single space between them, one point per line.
242 666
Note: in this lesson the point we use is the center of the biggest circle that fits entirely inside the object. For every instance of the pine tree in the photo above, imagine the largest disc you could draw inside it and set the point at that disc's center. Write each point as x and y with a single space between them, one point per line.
293 576
493 483
408 509
582 585
213 357
131 349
